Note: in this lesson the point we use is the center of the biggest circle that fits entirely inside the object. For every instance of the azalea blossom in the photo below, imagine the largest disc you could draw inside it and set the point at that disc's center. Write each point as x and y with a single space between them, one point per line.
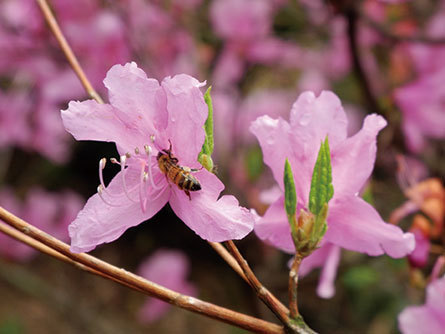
352 223
144 118
170 269
428 318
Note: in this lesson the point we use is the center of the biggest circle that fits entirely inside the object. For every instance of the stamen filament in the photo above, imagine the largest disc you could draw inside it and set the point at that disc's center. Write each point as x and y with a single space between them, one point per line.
100 191
102 163
123 172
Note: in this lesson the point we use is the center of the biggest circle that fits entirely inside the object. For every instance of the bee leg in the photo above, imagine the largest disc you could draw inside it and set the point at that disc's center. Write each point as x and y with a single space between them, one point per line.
188 194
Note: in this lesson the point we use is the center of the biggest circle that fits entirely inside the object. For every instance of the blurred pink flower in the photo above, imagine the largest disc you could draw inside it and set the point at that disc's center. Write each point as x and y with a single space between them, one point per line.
421 104
419 257
352 223
241 19
246 27
14 118
51 212
169 268
167 47
428 318
143 117
97 37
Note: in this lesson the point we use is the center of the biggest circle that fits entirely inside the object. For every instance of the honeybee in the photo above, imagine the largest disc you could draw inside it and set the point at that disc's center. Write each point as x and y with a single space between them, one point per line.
179 175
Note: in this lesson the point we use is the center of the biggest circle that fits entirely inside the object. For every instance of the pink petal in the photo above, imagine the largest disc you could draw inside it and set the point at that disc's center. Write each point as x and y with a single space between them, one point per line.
89 120
326 287
99 223
274 136
353 159
312 118
435 297
355 225
274 228
420 320
140 101
316 259
187 113
212 219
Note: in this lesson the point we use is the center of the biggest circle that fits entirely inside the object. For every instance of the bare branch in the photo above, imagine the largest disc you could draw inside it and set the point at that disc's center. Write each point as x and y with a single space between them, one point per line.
268 298
138 283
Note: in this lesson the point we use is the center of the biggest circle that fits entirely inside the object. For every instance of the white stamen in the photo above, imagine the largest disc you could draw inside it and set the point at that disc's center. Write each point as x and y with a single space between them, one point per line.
100 191
114 161
102 163
150 174
123 172
143 189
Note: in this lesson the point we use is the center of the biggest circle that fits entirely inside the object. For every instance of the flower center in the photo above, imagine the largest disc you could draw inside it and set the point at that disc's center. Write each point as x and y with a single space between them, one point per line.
147 186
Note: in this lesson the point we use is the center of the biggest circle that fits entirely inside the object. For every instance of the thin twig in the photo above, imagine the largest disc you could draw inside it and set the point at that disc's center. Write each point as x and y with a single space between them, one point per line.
152 289
69 54
293 287
386 32
269 299
226 256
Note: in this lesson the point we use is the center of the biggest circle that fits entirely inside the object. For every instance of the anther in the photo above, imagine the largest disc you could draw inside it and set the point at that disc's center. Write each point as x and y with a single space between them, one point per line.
147 149
145 177
152 138
136 151
128 155
100 191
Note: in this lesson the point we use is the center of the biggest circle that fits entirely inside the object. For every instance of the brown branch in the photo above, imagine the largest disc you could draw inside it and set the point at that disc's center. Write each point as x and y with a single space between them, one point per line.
268 298
226 256
122 276
386 32
293 287
69 54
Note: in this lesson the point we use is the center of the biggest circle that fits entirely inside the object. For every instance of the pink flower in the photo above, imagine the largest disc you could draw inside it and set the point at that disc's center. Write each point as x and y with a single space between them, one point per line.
428 318
143 118
352 223
241 19
14 127
421 104
51 212
170 269
419 257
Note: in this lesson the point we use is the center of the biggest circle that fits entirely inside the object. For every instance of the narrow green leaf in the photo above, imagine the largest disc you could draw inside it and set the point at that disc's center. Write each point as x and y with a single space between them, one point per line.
208 126
321 184
290 195
205 156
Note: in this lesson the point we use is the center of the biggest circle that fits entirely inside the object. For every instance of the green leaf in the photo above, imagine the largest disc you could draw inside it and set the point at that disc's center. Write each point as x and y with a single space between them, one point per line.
205 156
321 184
290 195
207 148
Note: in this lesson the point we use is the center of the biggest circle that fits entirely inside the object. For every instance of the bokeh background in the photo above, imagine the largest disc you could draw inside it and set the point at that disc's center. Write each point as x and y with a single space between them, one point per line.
385 57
